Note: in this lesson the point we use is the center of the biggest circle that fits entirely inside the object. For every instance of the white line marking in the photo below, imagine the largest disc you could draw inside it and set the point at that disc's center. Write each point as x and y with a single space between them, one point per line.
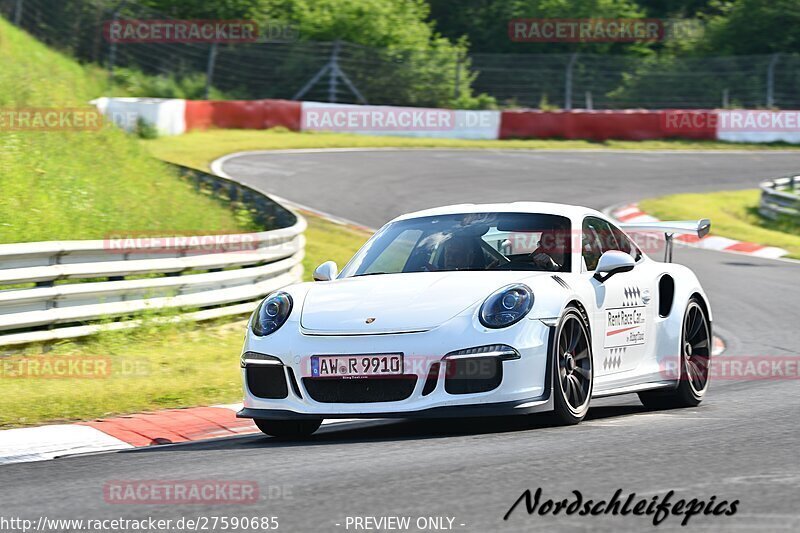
48 442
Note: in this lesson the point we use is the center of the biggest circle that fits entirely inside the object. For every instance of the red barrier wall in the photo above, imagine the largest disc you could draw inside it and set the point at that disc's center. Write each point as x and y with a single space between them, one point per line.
284 113
690 123
631 125
198 115
243 114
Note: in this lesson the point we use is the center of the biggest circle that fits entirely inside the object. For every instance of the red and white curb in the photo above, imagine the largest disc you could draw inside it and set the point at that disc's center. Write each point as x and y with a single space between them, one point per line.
632 213
169 426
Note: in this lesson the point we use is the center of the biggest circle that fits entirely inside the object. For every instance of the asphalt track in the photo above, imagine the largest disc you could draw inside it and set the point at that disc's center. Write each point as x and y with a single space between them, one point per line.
740 444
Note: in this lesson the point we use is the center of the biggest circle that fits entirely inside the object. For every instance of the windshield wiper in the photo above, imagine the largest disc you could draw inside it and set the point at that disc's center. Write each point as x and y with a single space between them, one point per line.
370 274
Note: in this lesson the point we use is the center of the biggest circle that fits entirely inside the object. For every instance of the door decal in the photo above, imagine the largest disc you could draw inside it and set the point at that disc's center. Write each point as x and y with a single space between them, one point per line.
625 326
614 359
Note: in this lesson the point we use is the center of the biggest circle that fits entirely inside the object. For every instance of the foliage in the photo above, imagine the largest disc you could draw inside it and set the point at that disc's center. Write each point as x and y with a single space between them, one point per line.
132 82
218 9
485 22
419 65
754 27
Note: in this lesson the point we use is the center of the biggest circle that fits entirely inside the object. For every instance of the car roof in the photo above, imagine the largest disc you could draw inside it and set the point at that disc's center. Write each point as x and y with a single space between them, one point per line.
573 212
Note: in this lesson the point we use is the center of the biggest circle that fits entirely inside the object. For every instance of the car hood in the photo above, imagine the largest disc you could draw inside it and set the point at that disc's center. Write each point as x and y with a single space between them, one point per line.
397 303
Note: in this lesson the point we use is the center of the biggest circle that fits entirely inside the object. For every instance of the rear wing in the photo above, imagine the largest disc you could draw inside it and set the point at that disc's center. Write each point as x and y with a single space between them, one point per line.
699 228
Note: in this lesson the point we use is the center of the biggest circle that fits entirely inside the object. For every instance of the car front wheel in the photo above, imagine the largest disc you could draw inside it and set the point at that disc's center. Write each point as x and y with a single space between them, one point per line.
573 373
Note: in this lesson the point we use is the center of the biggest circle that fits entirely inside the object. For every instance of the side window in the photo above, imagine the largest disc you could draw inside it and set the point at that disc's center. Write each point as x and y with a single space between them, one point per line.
597 239
626 244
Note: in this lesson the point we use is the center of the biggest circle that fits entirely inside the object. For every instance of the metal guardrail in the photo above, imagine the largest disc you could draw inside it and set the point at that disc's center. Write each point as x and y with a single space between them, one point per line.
122 281
780 198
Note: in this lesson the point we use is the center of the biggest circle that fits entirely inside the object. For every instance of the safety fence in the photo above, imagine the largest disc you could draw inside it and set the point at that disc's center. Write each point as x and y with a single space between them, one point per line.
67 289
285 65
781 198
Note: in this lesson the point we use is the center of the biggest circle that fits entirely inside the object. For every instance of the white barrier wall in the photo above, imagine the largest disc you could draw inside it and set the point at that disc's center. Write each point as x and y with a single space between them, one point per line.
400 121
167 115
758 126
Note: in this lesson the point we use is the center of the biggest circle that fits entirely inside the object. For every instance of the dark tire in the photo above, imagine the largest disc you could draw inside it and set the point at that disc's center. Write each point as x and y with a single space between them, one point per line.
573 371
288 429
695 361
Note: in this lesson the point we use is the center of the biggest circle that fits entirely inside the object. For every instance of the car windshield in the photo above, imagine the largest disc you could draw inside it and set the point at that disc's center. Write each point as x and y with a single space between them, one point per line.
474 241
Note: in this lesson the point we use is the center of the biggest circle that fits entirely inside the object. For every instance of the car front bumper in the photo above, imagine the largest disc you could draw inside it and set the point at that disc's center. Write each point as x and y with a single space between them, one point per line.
524 386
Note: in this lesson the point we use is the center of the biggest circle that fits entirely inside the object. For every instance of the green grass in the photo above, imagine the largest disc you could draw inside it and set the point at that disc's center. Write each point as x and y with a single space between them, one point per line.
198 149
85 184
733 214
153 367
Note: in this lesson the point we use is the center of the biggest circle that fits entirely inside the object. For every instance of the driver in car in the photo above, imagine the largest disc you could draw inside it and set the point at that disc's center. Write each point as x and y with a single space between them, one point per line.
550 253
459 253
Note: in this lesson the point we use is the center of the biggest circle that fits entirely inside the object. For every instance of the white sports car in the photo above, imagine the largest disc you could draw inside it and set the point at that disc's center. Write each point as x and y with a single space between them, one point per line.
475 310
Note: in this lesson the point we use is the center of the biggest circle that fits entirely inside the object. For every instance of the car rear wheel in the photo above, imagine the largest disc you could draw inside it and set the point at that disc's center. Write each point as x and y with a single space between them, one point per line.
573 372
288 429
694 364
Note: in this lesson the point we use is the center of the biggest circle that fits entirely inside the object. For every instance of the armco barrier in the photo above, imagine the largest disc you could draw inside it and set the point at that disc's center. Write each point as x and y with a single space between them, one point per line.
780 198
191 279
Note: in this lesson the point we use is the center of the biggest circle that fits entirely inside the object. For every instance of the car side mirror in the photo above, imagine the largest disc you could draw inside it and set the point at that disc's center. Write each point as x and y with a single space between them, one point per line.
613 262
326 271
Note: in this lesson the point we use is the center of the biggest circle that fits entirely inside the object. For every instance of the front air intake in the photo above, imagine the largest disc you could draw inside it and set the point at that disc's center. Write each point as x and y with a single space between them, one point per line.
472 375
365 390
268 382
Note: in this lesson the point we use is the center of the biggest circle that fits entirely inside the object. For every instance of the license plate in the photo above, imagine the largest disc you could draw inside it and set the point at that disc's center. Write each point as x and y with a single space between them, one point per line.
348 366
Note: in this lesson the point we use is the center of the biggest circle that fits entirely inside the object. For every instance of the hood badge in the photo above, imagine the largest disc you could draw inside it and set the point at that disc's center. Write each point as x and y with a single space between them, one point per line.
370 320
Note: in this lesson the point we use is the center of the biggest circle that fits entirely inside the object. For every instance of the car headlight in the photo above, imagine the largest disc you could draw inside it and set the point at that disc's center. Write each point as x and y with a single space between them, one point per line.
272 313
506 307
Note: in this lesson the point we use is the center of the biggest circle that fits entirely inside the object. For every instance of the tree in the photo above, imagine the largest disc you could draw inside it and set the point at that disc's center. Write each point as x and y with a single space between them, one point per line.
754 27
401 58
485 22
218 9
